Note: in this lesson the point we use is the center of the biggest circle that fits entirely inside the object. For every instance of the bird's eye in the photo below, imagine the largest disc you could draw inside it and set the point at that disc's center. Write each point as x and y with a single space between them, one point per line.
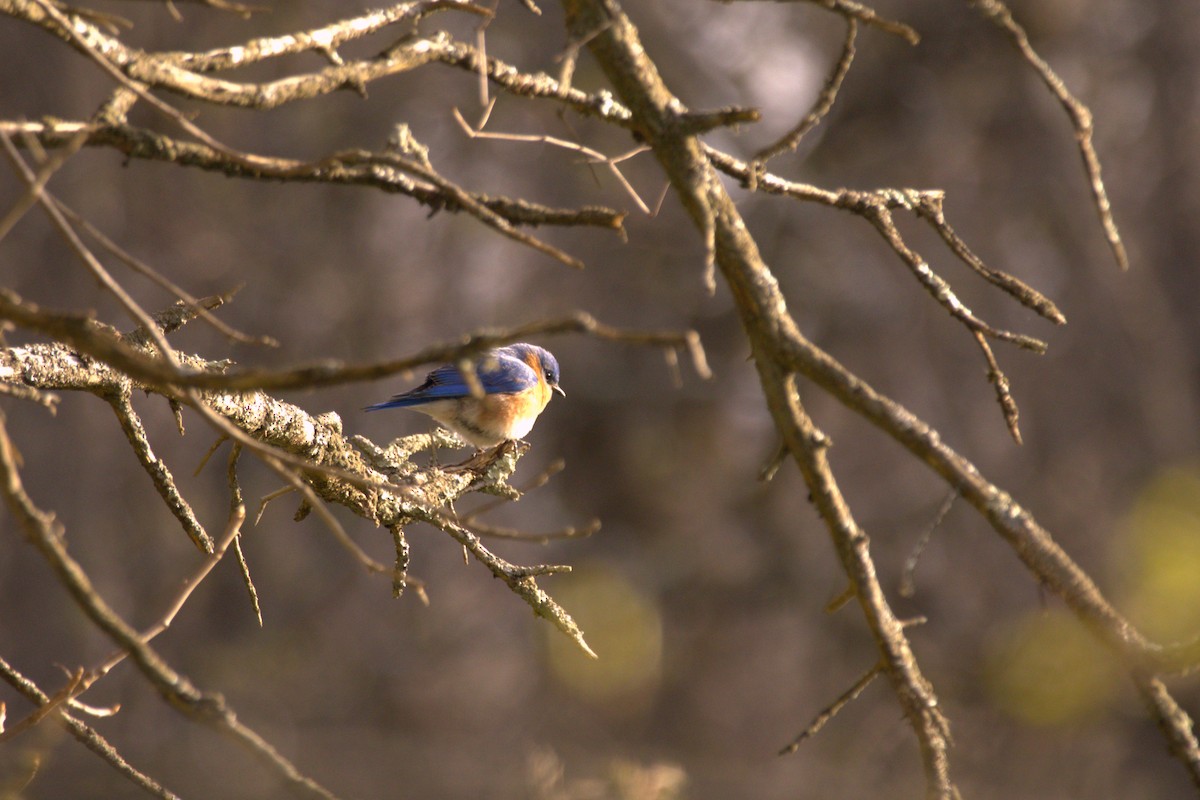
550 376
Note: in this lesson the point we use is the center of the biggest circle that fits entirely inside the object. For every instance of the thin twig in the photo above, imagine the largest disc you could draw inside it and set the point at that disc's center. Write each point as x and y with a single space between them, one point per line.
1175 723
232 529
34 188
767 472
51 706
1081 118
825 100
519 579
267 498
864 14
220 440
831 711
593 156
481 46
47 400
164 481
907 583
85 734
144 269
999 381
497 532
237 508
97 269
926 204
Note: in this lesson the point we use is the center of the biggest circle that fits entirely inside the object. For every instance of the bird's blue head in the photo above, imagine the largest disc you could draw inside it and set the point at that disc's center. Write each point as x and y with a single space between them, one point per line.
541 360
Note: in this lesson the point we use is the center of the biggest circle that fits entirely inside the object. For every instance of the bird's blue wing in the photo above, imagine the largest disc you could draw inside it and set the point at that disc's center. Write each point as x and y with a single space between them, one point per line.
498 373
505 374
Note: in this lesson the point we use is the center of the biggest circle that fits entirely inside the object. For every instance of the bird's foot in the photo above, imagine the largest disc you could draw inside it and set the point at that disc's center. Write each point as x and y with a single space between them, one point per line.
480 460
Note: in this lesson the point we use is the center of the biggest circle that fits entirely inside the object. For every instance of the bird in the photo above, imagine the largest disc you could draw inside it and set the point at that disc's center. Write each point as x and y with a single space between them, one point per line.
517 381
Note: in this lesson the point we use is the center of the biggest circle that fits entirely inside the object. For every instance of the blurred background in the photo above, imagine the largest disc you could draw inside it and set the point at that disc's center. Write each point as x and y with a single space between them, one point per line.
704 592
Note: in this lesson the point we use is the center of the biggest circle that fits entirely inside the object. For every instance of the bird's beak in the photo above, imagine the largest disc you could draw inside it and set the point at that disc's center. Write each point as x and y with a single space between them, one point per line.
559 389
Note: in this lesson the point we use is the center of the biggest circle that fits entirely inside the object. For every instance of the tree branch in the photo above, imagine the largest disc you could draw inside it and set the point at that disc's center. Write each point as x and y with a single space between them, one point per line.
85 734
765 319
46 535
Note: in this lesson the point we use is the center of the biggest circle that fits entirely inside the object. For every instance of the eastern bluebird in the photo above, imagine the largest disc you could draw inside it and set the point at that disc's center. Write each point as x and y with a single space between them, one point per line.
517 381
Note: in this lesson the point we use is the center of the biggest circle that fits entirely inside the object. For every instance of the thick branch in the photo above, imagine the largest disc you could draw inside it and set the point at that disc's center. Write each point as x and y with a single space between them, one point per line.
135 142
100 341
764 317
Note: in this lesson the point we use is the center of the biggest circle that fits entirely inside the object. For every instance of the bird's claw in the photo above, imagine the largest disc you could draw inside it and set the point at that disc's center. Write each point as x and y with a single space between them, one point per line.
480 460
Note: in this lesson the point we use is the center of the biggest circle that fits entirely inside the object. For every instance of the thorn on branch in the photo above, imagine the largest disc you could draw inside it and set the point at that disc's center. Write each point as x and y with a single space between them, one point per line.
838 601
302 511
177 413
818 440
767 473
267 498
402 141
251 591
209 454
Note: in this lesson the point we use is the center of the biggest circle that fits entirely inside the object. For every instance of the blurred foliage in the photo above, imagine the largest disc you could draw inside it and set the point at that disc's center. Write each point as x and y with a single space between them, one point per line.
1159 555
621 623
1046 669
